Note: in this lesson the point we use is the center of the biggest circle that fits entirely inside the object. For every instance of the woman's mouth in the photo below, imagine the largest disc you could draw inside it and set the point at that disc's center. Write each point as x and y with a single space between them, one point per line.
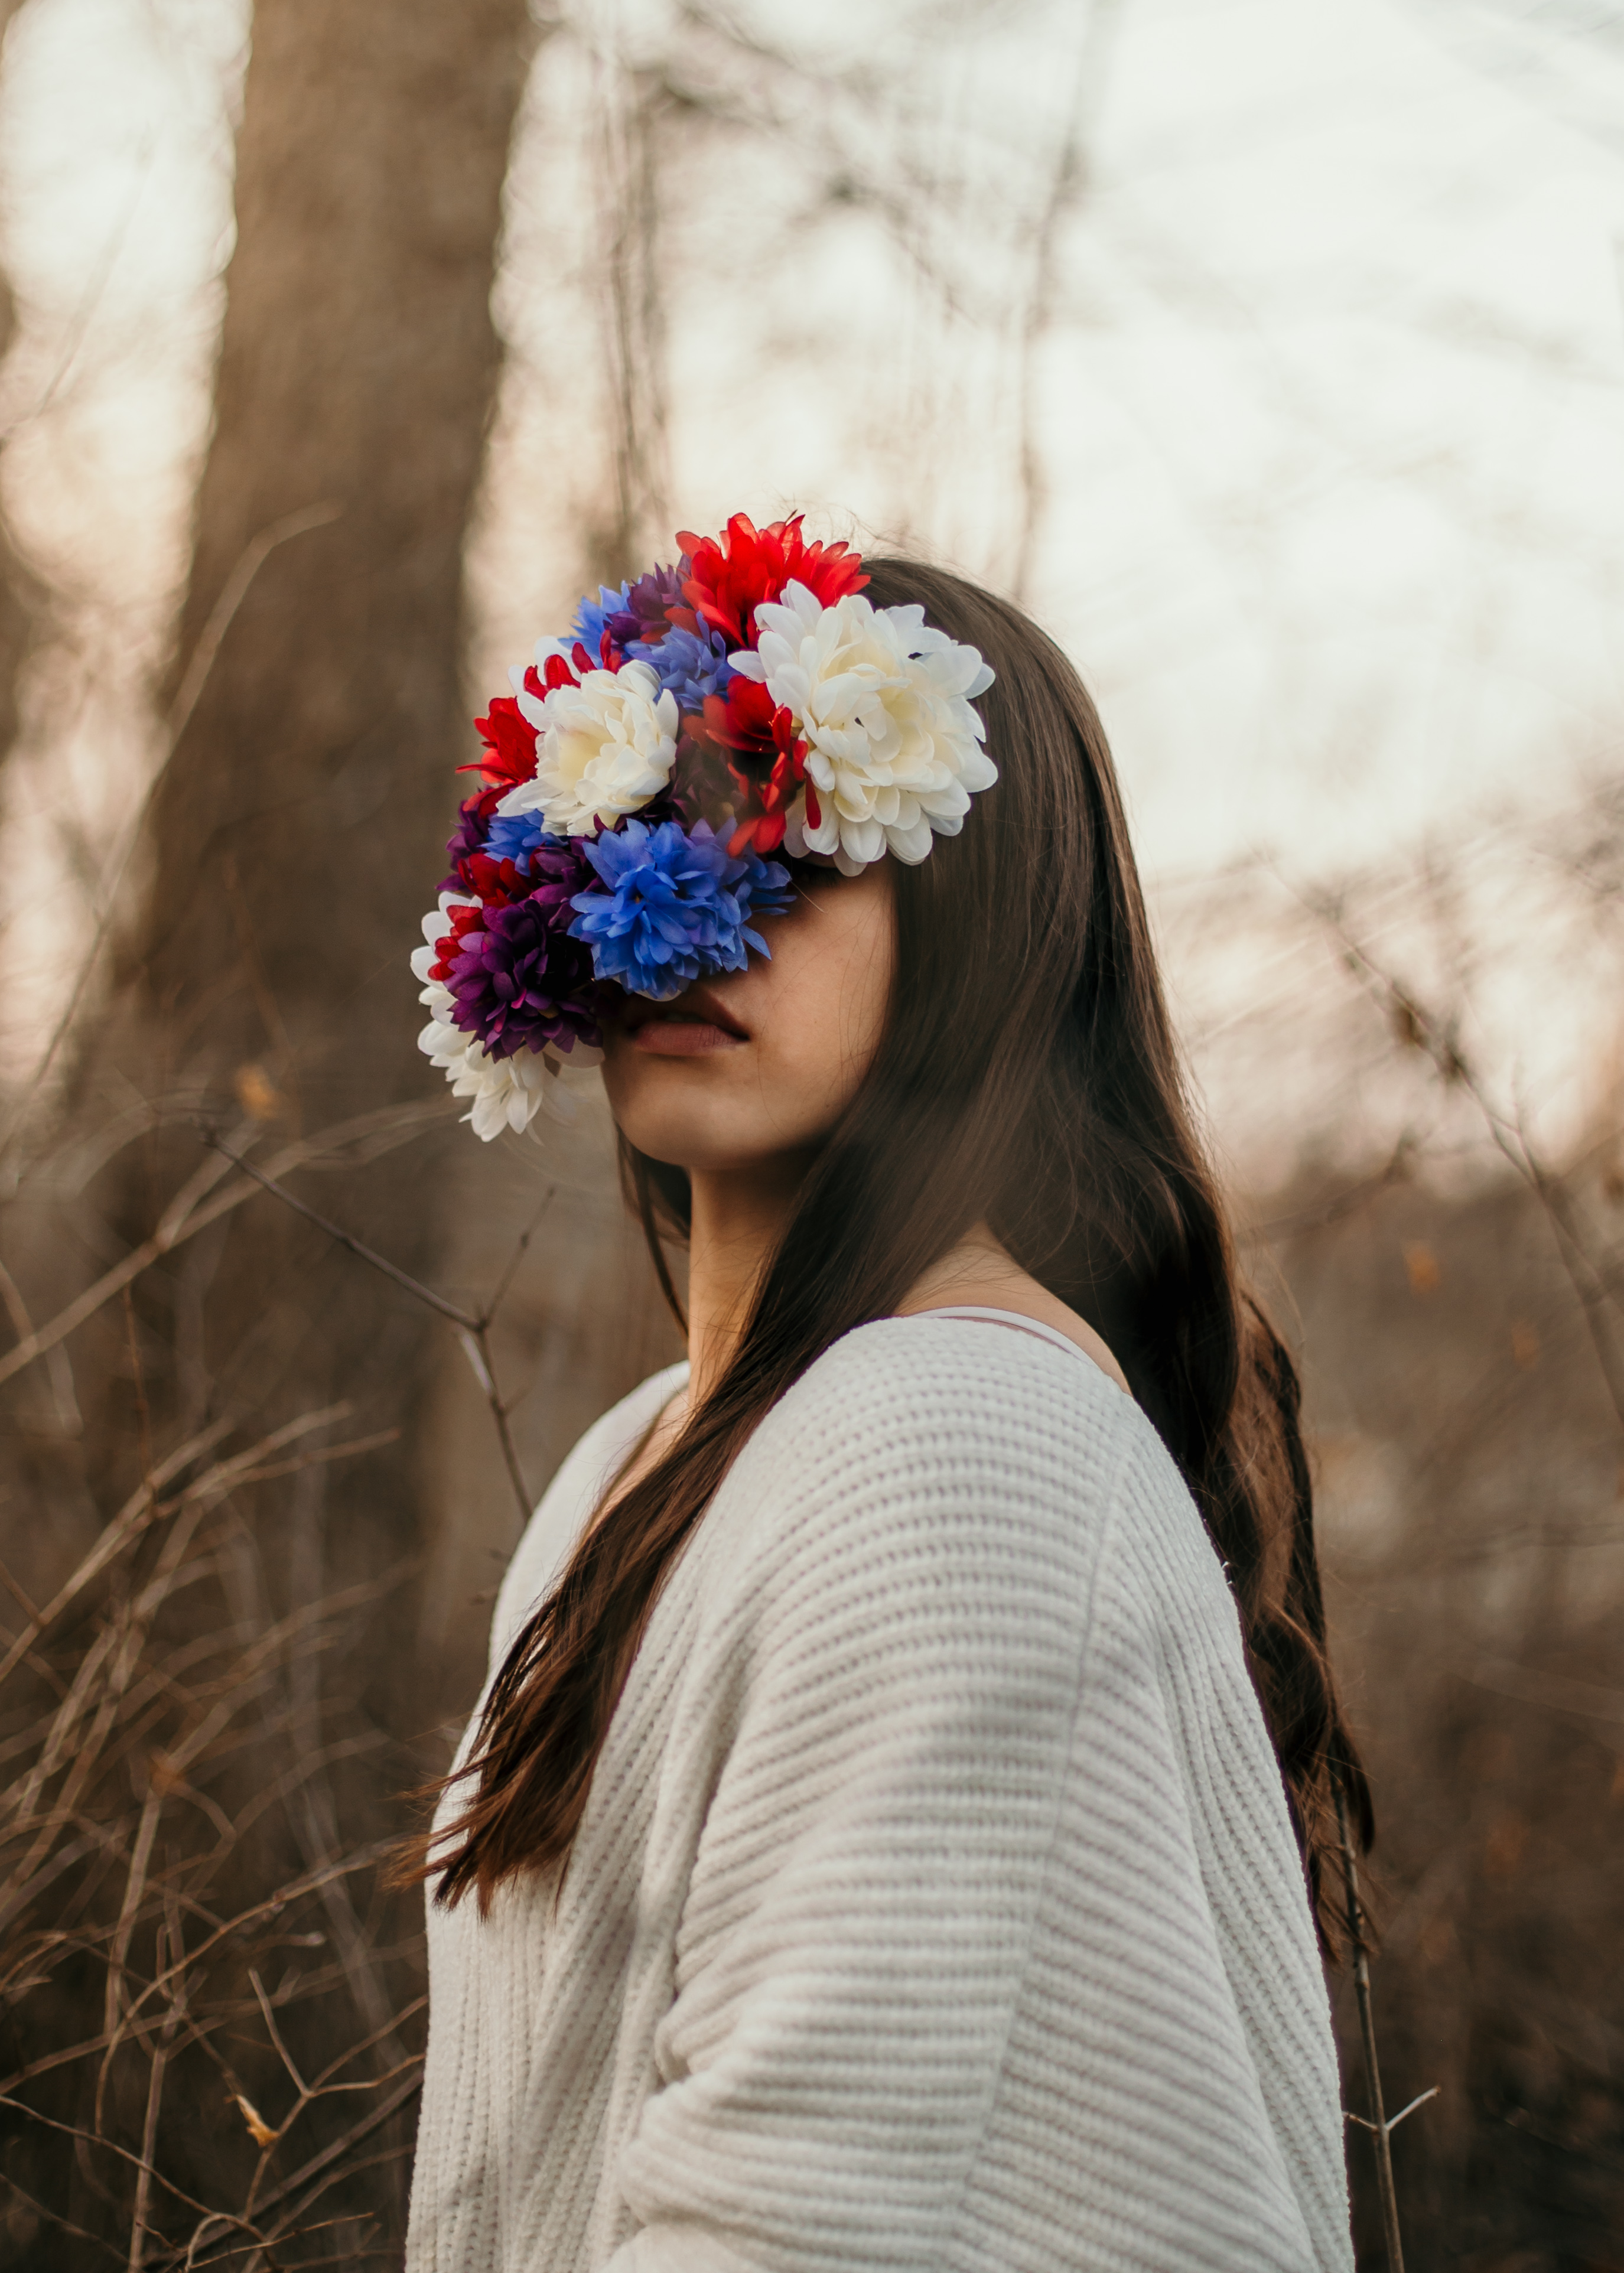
691 1027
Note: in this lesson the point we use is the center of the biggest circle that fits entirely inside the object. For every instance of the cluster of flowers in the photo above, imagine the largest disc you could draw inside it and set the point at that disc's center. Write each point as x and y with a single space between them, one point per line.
635 783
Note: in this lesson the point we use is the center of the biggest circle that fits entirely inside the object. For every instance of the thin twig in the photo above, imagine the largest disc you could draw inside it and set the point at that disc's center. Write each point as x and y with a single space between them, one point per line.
1378 2124
142 1412
477 1346
1393 2121
68 1419
1442 1045
1419 2100
135 1884
394 1125
323 2163
391 1271
487 1316
314 2169
275 1904
24 1601
142 1508
55 2217
149 2133
111 2146
1068 176
324 2083
473 1330
274 2033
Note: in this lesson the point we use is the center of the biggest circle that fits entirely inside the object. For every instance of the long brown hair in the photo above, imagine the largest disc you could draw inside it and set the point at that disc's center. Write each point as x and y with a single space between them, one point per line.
1028 1058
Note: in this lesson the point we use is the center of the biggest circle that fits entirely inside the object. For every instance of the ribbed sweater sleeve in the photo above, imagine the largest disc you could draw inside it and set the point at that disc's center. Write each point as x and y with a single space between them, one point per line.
951 1987
936 1904
911 1634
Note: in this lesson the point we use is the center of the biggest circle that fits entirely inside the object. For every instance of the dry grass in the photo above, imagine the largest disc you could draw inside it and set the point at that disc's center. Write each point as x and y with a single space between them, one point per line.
1471 1480
210 2038
210 2007
1461 1344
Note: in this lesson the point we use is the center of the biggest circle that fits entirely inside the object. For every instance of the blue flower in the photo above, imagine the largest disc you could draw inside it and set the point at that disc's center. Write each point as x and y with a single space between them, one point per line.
691 665
516 837
675 906
590 622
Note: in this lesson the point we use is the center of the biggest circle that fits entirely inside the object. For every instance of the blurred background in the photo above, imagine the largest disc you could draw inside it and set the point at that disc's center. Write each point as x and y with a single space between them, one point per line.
1272 353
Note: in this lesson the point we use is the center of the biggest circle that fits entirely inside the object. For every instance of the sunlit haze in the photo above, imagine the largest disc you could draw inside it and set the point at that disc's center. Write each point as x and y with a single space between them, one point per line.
1312 421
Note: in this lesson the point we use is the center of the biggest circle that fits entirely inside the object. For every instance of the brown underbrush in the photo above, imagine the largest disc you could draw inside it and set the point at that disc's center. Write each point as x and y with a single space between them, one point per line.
211 2011
1471 1490
212 2014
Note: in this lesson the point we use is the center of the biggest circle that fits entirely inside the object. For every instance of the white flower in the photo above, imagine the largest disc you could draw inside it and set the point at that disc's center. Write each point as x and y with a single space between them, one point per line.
506 1092
882 702
436 924
603 748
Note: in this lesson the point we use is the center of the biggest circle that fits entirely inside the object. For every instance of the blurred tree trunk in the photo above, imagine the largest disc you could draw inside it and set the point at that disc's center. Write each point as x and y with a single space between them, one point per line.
357 372
294 839
291 846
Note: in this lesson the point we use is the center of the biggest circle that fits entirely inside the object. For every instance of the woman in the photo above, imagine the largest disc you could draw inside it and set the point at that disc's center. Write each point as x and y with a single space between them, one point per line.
893 1832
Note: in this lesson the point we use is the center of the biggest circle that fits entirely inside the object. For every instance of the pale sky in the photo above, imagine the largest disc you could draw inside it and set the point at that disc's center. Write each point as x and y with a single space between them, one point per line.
1332 412
1329 414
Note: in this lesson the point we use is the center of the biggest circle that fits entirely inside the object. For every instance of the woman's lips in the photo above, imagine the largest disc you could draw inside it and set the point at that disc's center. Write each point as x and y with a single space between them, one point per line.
682 1037
691 1027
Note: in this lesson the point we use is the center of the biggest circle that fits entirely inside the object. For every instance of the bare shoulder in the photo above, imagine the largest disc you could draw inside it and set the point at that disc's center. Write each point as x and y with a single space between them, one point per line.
979 1275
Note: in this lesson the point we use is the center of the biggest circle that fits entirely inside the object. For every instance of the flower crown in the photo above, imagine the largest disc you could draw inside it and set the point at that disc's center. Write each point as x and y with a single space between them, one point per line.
747 701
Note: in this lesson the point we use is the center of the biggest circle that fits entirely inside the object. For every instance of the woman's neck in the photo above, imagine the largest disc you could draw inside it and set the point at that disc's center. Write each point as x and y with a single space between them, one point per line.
738 1218
737 1221
981 1273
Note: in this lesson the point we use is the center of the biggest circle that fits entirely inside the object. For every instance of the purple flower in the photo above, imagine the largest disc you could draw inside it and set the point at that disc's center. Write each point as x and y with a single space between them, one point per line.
676 906
644 605
467 837
690 664
519 981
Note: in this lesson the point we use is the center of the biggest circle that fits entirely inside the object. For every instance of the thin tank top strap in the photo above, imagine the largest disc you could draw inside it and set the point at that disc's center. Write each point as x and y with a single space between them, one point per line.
1020 1324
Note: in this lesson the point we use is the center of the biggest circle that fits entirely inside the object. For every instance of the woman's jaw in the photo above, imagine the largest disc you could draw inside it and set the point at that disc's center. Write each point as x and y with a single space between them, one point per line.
749 1066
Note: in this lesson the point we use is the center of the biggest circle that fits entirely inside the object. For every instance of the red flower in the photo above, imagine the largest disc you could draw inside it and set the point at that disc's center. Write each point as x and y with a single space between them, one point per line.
498 883
460 920
747 720
509 754
730 575
769 766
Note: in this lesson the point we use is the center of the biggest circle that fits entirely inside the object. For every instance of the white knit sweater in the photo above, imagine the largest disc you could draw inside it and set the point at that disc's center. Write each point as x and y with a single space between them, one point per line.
936 1904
